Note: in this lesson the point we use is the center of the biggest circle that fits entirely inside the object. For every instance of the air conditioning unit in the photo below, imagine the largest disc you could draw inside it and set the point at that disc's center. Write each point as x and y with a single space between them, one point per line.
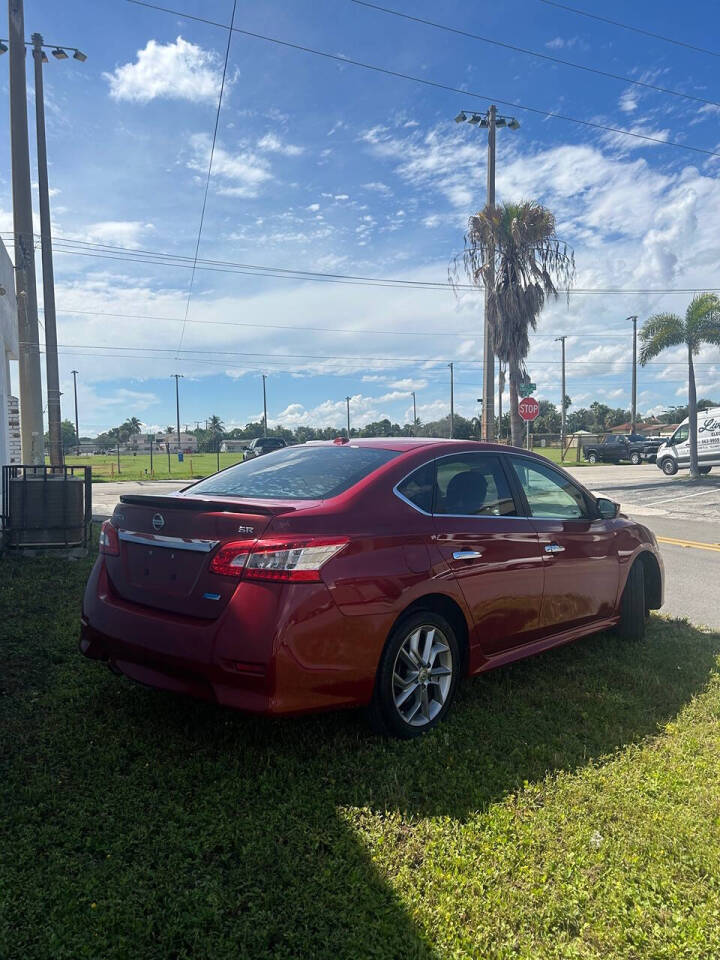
46 506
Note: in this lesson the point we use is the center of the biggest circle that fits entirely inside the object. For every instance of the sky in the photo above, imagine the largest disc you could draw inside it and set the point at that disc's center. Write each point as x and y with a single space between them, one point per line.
331 168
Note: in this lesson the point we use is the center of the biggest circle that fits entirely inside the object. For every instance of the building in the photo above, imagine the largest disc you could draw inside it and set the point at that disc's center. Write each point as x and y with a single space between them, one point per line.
234 446
188 441
9 432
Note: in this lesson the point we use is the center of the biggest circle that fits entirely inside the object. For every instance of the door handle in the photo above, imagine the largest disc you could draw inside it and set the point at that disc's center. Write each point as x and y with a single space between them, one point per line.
554 548
466 554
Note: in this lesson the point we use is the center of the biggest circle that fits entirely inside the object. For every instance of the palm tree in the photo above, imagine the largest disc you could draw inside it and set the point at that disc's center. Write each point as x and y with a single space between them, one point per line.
701 325
514 252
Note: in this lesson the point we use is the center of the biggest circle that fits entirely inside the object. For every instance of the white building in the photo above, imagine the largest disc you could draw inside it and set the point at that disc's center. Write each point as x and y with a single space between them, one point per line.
8 352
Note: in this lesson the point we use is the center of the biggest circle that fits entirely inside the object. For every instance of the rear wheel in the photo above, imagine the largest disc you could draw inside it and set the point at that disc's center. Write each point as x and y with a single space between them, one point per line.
633 606
635 459
669 467
592 458
417 676
705 470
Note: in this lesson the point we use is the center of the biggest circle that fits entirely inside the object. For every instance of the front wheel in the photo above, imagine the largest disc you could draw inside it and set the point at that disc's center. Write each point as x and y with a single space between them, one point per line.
635 459
669 467
633 608
417 676
704 470
592 458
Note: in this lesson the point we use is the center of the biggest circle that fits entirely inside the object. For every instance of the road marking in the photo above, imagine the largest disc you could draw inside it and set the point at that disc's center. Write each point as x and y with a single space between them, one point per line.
698 545
700 493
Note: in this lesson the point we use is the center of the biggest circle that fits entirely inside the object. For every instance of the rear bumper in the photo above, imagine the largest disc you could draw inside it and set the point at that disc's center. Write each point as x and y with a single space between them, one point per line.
275 649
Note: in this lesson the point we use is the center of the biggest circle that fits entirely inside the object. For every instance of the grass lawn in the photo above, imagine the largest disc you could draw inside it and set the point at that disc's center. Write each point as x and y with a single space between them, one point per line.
569 808
105 468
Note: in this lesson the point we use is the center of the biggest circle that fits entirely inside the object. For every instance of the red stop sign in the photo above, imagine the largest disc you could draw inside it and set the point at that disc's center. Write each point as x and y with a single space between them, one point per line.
528 408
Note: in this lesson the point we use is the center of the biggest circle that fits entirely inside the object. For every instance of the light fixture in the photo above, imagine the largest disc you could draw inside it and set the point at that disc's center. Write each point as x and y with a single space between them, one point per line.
44 57
79 55
484 122
460 118
475 118
3 47
59 53
501 122
514 124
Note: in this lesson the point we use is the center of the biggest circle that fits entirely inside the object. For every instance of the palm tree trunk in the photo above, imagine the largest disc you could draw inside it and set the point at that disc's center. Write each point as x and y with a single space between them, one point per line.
516 423
692 418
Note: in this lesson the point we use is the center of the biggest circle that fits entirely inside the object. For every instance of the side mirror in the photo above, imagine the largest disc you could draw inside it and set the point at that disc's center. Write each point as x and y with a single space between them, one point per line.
607 509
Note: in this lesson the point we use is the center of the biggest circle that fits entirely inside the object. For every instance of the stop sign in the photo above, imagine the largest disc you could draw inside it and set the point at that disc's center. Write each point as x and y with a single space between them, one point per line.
528 408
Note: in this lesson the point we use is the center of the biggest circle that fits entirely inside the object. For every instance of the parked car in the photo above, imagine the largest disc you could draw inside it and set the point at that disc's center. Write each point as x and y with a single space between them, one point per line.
373 572
674 454
261 445
619 448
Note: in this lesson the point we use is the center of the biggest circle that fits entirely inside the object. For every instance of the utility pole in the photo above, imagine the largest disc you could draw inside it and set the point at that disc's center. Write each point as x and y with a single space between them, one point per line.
31 418
51 355
264 378
501 390
452 403
77 428
414 414
178 377
347 403
491 121
633 412
562 403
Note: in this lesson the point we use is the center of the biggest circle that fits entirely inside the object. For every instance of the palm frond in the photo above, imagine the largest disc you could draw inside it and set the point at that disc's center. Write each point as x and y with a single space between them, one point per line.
659 332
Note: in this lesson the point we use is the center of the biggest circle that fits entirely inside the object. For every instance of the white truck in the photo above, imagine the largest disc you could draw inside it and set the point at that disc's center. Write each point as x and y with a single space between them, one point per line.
674 454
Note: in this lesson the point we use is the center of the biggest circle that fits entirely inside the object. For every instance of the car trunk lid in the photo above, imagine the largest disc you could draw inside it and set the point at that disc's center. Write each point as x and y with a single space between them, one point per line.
166 544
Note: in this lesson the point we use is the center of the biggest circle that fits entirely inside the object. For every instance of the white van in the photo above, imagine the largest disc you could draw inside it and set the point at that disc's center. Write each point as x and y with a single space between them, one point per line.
675 452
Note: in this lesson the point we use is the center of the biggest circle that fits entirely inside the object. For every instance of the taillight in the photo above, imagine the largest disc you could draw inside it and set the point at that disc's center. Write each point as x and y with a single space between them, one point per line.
109 541
298 560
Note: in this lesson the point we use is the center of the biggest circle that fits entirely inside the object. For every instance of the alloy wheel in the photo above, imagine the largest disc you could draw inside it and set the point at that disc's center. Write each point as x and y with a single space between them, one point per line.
422 675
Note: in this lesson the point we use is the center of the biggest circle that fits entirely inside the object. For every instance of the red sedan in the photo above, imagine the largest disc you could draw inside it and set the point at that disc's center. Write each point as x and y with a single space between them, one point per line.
375 572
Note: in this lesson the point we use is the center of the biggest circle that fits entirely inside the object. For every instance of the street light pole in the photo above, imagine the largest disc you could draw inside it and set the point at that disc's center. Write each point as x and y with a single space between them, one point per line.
633 412
414 414
452 402
77 428
51 353
264 378
178 377
31 418
347 403
562 402
491 121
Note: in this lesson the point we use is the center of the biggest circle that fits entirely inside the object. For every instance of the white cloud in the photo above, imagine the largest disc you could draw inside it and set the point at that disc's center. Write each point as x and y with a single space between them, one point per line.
172 71
313 207
378 187
240 174
628 100
271 143
120 233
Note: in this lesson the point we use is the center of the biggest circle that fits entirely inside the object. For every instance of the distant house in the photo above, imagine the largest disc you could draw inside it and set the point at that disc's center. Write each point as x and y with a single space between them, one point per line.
188 442
649 428
234 446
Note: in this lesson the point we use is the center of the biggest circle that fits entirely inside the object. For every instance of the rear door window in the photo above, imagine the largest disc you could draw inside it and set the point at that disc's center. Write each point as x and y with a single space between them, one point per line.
473 485
419 486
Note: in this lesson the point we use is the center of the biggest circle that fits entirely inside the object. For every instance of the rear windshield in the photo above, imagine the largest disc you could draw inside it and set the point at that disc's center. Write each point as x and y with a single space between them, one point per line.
297 473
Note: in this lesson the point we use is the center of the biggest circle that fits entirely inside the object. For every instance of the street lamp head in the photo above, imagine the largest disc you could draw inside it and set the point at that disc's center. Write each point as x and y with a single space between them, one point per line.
44 57
79 55
59 53
514 124
3 47
460 118
501 122
476 118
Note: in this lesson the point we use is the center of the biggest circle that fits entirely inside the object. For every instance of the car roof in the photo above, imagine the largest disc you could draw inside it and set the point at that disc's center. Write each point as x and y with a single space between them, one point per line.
406 444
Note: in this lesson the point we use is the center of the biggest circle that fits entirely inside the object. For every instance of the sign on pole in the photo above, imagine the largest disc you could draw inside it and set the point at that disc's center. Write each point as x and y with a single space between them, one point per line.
527 387
528 408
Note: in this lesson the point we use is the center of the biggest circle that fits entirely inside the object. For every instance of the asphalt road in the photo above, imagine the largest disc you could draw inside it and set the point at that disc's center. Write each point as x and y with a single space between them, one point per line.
685 517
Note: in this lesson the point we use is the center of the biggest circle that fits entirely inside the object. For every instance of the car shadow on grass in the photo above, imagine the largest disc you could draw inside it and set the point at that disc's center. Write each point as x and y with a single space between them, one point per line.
201 832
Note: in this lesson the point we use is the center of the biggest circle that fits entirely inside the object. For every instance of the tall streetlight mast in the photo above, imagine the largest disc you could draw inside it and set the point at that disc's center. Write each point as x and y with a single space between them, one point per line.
414 414
490 121
178 378
77 428
452 401
562 401
347 403
633 411
264 378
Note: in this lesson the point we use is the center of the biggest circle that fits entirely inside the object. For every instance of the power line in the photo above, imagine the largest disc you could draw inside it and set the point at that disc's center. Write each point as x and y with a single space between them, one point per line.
207 181
348 61
626 26
131 255
535 53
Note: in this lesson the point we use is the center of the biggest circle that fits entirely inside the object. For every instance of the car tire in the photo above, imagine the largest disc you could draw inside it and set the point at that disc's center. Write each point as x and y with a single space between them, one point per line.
633 605
669 467
592 458
402 705
635 459
705 470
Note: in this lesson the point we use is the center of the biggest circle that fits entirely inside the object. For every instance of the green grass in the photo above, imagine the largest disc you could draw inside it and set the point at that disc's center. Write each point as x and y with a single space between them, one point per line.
569 808
105 468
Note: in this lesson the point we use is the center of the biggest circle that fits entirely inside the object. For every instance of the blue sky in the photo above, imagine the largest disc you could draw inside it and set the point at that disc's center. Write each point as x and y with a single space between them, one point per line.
322 166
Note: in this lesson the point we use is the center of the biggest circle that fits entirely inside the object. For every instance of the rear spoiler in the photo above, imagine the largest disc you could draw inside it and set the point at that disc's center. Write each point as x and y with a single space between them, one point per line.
200 503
